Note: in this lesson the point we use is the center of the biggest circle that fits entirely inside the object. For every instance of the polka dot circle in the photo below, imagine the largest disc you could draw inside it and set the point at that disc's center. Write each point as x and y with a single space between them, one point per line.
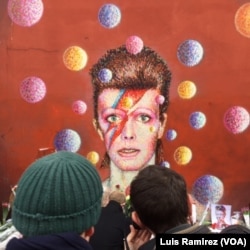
127 102
182 155
79 107
25 13
197 120
208 188
93 157
242 20
190 53
105 75
236 119
109 16
160 99
32 89
186 89
152 129
134 44
75 58
68 140
171 134
165 164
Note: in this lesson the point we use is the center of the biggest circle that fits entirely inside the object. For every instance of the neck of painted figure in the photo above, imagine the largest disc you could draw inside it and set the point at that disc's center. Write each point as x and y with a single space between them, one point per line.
120 179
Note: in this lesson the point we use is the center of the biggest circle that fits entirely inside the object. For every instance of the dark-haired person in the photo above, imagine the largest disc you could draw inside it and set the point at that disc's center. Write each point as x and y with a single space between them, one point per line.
161 205
131 97
235 229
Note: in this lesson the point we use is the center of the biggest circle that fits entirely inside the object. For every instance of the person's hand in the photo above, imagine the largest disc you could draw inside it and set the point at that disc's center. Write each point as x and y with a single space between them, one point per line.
136 238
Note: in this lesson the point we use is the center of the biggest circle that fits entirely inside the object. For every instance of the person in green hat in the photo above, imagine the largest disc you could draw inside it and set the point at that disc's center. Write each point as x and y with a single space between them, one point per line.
57 203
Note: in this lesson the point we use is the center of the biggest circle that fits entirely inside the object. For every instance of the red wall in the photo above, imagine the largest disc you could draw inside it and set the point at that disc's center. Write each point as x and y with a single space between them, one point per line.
222 80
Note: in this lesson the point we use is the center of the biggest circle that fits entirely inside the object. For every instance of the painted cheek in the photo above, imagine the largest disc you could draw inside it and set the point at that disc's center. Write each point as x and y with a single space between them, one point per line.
113 131
154 124
109 135
117 130
104 125
154 127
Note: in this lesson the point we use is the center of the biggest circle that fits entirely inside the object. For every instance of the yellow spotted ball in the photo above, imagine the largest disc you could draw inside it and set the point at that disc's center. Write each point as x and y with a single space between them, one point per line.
152 129
186 89
93 157
183 155
75 58
127 102
242 20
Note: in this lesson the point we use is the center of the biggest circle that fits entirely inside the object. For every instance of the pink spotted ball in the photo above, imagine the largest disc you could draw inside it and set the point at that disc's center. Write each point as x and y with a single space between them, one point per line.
25 12
160 99
134 45
32 89
236 119
79 107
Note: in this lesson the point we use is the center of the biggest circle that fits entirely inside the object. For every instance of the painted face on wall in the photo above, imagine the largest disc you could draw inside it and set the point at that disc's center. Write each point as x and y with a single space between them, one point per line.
130 126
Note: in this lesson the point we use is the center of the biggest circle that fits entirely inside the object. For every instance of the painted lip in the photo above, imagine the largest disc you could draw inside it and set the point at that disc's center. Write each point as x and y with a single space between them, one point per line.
128 152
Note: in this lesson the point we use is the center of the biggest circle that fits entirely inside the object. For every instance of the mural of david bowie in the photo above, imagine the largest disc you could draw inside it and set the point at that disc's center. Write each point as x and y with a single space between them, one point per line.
131 98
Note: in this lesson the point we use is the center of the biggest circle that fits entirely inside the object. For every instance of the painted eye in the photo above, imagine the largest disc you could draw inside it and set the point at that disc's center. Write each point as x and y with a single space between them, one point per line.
143 118
113 119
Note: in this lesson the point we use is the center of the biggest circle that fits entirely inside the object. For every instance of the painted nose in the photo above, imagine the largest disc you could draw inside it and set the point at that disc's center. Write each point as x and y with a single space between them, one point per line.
127 137
128 131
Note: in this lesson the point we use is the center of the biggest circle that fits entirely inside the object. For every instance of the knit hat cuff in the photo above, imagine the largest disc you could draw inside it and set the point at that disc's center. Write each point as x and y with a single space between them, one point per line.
41 217
39 224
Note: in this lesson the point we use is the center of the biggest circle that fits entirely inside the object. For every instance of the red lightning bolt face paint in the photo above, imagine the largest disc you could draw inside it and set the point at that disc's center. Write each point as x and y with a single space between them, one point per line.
129 121
125 101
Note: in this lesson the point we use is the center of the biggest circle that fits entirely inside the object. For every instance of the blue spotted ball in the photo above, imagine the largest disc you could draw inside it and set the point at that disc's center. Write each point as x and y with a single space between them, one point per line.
165 164
197 120
190 53
105 75
109 16
171 134
68 140
208 189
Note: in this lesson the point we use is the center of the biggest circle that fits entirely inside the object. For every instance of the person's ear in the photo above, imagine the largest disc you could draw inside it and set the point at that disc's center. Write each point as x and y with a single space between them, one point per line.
88 233
98 130
136 219
162 126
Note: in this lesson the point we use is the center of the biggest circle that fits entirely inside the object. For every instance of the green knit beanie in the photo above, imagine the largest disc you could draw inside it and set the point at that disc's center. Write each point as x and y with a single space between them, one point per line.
60 192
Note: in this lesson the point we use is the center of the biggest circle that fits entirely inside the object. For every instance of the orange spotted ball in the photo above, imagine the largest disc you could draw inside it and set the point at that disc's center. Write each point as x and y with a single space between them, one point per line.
186 89
242 20
75 58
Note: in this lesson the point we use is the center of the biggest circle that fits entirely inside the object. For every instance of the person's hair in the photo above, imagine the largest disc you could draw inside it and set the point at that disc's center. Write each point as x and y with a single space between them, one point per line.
220 208
235 229
117 196
145 70
159 196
